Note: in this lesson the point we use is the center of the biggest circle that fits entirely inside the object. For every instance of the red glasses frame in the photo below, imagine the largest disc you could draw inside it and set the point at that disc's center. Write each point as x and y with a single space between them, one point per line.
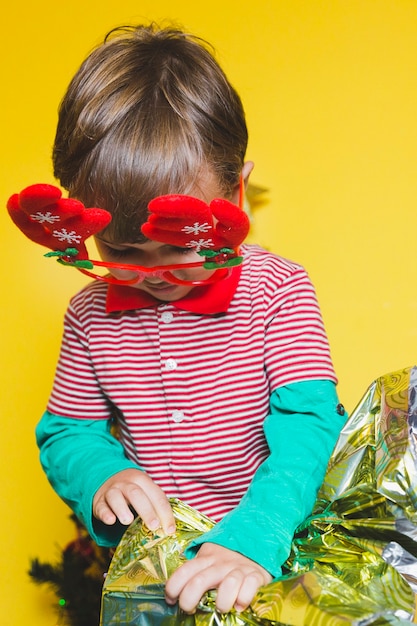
222 263
219 262
159 271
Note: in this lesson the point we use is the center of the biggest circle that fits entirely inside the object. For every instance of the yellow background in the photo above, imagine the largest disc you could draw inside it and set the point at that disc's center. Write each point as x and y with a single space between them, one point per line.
330 90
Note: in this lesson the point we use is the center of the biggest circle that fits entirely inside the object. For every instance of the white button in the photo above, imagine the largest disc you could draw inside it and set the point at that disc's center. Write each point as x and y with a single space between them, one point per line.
177 416
171 364
167 317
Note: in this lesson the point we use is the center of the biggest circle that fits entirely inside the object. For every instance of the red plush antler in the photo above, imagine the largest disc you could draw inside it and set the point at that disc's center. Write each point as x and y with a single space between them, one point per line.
55 222
189 222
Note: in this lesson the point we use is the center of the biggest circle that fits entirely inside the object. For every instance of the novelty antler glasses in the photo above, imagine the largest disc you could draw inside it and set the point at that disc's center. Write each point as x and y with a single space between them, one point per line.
213 231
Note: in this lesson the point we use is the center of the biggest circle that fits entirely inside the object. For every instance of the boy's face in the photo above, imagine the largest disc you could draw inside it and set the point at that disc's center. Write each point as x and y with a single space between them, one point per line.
152 254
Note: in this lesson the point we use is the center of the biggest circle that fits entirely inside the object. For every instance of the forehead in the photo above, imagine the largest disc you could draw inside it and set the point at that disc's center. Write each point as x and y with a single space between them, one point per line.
205 187
145 246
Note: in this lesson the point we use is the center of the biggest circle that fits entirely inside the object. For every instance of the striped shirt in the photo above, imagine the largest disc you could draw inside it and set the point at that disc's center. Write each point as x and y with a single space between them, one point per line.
191 391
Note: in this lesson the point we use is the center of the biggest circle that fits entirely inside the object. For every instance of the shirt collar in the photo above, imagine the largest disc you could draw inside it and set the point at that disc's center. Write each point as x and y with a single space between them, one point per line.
206 299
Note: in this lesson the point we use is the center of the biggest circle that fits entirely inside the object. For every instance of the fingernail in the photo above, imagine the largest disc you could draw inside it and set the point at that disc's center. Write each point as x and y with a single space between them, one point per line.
154 524
171 529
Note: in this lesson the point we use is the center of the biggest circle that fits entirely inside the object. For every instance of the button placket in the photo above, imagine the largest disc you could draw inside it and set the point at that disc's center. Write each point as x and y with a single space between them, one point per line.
169 364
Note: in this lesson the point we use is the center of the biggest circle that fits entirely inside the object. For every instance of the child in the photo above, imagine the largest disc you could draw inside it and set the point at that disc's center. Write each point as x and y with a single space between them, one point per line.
218 374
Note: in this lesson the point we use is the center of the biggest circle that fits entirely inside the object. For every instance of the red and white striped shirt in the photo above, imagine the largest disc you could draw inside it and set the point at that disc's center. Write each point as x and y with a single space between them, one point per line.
192 390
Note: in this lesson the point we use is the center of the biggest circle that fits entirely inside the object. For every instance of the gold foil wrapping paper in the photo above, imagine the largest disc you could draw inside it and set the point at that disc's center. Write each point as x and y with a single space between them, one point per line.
353 561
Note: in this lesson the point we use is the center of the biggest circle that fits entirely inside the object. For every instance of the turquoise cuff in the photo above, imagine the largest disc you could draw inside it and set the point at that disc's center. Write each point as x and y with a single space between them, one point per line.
301 431
78 456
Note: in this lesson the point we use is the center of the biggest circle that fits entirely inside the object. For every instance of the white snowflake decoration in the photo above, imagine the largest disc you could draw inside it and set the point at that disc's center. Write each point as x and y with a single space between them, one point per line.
201 244
69 237
45 218
196 228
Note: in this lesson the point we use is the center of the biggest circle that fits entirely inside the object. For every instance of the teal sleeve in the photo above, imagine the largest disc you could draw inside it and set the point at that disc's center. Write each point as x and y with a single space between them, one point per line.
301 431
78 456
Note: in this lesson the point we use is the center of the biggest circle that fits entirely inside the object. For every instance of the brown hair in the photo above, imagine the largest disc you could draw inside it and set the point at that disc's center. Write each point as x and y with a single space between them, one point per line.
147 113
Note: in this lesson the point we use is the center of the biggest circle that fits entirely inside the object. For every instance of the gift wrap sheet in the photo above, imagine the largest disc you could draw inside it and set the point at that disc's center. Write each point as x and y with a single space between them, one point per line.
353 561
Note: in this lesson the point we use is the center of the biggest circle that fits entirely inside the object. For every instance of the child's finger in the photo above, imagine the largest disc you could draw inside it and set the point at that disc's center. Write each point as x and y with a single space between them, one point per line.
189 582
114 498
104 514
152 505
238 590
111 505
235 577
131 492
166 516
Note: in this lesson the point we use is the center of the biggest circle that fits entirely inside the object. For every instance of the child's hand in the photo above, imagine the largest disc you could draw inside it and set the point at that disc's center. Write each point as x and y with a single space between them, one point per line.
236 578
133 489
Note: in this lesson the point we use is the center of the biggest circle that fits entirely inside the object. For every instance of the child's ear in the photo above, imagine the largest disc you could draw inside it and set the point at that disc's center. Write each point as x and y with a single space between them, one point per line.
246 172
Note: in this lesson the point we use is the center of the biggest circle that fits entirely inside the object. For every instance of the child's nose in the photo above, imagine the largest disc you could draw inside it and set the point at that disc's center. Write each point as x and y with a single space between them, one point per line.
154 277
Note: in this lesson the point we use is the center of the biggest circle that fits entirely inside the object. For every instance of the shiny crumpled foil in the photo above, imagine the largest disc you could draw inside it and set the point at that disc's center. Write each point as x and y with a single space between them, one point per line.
353 561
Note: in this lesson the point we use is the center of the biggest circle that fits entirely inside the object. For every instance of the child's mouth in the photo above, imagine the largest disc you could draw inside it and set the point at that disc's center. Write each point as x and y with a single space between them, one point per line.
160 287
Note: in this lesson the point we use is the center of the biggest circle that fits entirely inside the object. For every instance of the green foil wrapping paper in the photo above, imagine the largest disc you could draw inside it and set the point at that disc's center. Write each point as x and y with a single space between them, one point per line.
353 561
